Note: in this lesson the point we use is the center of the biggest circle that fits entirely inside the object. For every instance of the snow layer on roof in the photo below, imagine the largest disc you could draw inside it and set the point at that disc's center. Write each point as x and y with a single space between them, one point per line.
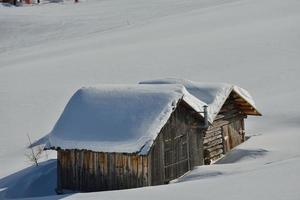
213 94
117 118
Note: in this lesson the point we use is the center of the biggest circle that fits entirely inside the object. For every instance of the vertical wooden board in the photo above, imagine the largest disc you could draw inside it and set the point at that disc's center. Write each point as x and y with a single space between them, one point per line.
226 139
145 171
73 178
161 160
113 170
69 166
100 170
136 170
233 135
130 171
149 169
95 161
75 170
86 169
81 174
59 165
243 130
157 166
83 171
105 173
117 170
74 166
91 176
140 171
95 171
194 149
122 175
121 171
90 162
72 169
109 168
65 169
126 171
100 175
78 170
59 181
105 168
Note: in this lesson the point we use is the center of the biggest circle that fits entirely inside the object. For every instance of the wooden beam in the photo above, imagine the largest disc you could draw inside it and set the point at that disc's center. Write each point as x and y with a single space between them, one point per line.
242 104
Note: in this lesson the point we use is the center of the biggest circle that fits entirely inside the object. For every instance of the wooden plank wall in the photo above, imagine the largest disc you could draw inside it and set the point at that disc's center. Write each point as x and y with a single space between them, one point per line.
178 147
83 170
226 132
88 171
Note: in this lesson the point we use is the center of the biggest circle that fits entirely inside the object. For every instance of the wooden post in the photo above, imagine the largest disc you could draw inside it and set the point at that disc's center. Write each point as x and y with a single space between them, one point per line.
188 150
58 189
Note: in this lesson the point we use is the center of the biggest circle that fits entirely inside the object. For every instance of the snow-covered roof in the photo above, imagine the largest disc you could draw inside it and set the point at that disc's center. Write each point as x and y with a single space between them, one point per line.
117 118
128 118
213 94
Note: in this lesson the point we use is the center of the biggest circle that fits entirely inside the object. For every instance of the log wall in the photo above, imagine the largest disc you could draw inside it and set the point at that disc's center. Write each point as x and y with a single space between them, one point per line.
89 171
226 132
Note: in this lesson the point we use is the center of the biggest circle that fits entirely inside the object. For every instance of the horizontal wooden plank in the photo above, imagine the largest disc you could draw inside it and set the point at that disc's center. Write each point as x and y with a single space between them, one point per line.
206 140
215 148
213 143
216 153
213 133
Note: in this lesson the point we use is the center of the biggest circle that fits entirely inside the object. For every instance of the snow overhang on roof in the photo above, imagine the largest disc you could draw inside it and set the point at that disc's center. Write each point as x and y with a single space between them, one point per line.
128 118
117 118
214 95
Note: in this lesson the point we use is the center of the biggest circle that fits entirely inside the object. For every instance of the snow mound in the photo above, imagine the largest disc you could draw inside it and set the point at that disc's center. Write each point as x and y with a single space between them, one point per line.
213 94
117 118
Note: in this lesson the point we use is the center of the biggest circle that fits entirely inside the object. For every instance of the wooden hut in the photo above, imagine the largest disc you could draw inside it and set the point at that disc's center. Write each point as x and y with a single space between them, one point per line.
128 136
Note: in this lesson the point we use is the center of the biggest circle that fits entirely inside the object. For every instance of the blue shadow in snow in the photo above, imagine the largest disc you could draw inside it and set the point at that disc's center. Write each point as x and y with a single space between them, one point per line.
34 181
239 154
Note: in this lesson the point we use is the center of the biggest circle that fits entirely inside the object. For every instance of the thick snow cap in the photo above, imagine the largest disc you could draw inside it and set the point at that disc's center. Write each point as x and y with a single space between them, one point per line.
128 118
117 118
213 94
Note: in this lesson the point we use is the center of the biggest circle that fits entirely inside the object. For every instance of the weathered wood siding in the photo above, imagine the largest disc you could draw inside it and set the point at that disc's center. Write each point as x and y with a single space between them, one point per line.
226 132
88 171
178 147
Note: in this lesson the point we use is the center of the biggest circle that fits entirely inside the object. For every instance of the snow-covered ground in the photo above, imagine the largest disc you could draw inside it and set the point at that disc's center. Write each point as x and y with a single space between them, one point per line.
49 51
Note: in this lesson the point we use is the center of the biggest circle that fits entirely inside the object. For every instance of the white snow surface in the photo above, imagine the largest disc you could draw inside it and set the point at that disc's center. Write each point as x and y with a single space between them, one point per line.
50 50
128 118
117 118
213 94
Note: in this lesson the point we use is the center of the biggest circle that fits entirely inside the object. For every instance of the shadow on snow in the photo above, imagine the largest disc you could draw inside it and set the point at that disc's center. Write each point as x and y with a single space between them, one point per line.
237 155
34 181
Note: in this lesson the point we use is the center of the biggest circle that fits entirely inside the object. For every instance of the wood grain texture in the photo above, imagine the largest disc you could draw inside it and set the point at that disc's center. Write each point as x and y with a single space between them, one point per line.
88 171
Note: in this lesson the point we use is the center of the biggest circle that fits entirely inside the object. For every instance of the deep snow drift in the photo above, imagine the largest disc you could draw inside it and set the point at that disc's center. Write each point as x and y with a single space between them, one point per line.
48 51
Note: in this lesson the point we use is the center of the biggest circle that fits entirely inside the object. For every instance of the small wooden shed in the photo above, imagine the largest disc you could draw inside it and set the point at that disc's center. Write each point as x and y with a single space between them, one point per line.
126 136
